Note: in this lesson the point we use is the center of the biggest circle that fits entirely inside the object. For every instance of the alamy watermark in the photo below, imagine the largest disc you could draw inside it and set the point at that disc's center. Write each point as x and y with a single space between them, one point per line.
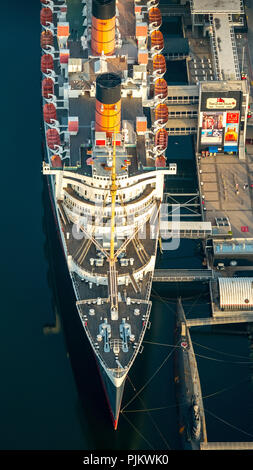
165 225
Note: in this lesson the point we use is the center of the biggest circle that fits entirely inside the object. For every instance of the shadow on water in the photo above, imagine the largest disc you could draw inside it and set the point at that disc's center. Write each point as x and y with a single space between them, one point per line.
92 400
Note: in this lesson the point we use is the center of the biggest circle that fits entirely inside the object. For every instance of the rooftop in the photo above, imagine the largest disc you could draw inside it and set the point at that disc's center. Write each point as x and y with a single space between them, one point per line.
216 6
227 192
225 47
219 86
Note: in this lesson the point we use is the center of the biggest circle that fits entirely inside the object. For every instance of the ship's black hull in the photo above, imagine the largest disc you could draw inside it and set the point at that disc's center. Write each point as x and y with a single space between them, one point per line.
113 394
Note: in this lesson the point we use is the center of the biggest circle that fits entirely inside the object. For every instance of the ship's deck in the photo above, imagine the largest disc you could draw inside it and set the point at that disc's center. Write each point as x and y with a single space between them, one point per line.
83 251
136 315
84 108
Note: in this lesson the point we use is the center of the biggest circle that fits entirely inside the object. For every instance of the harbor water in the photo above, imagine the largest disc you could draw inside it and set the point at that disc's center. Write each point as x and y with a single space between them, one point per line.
51 394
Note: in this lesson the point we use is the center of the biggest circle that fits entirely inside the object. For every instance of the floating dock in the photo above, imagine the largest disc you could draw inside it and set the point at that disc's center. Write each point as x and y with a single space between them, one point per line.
192 425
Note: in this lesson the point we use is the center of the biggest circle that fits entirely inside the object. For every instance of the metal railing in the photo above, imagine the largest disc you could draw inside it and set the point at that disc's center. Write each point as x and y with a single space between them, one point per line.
214 46
234 48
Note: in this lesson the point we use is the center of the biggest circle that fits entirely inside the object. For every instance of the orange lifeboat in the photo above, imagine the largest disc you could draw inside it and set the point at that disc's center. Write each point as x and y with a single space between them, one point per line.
161 87
160 161
161 113
46 16
53 138
47 87
155 16
161 139
49 112
157 40
47 63
46 39
159 63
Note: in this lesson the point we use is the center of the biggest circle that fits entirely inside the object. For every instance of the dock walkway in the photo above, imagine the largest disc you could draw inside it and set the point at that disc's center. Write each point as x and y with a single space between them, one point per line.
182 275
235 318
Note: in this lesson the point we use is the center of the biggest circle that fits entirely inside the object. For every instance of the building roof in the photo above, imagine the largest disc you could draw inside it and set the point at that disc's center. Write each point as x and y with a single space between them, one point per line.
216 6
220 86
225 49
236 293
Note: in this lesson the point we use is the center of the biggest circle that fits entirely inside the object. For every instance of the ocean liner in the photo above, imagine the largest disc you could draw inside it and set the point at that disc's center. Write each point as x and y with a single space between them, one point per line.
104 117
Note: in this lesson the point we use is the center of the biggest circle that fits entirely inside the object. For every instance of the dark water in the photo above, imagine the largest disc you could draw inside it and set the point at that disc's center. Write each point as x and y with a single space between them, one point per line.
51 399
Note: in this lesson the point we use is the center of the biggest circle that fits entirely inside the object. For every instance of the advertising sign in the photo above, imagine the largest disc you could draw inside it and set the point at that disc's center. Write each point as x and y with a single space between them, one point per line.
212 124
220 100
221 103
231 129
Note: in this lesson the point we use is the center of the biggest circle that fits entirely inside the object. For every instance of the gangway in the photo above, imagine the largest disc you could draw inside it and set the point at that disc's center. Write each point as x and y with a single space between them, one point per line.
237 318
182 275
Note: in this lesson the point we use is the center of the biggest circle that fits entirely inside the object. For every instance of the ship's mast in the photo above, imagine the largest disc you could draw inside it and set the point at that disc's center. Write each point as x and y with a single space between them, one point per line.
108 119
113 192
113 272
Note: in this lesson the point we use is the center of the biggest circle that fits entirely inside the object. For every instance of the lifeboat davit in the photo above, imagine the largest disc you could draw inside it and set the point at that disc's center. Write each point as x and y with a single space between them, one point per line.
161 87
56 161
46 16
161 113
159 63
160 161
161 139
155 16
46 39
47 87
47 63
53 138
157 40
49 112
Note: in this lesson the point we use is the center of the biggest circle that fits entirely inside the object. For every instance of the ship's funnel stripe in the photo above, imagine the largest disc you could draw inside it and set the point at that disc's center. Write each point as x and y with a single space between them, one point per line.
104 42
110 115
107 26
108 128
